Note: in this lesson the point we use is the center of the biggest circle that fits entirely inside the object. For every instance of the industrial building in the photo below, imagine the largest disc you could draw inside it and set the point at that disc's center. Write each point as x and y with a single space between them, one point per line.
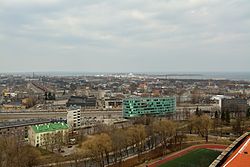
40 135
135 107
110 103
83 101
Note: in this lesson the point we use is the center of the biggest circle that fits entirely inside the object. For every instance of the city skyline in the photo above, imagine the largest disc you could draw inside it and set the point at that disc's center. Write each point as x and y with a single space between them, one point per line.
125 36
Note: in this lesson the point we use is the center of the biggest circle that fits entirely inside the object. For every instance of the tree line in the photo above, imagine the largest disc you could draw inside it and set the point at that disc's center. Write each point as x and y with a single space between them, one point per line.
13 153
113 144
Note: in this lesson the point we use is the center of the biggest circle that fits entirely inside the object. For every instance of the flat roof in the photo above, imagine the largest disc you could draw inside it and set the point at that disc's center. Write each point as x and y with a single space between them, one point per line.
152 98
19 123
49 127
241 156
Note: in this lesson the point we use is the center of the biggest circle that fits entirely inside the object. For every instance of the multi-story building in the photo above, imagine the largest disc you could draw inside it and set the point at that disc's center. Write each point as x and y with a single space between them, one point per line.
234 106
19 128
112 103
136 107
41 135
74 117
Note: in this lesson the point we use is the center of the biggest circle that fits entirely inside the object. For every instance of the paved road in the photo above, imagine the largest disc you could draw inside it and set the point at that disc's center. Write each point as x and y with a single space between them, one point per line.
63 114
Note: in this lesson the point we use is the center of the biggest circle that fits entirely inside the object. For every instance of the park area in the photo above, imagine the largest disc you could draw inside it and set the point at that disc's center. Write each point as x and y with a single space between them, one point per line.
196 158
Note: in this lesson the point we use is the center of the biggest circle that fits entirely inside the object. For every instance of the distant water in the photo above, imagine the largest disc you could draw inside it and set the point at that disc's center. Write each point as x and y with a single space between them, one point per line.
233 76
244 76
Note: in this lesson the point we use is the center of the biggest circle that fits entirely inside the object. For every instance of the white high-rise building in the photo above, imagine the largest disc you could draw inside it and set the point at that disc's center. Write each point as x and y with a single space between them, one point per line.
74 117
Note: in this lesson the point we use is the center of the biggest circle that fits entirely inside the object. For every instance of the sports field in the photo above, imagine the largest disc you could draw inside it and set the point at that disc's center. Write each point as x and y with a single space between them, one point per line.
197 158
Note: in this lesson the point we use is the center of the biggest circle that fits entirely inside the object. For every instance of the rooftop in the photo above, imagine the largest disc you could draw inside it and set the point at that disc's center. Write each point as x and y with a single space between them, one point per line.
49 127
149 98
19 123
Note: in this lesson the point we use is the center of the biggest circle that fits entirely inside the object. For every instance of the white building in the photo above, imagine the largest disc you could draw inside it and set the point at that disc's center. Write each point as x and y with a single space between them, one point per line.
219 98
74 117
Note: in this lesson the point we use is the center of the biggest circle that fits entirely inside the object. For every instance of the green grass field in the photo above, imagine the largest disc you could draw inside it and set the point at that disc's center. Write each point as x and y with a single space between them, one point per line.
196 158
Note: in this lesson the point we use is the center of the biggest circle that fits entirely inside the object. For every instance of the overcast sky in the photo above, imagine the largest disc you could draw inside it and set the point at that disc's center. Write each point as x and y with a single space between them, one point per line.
124 35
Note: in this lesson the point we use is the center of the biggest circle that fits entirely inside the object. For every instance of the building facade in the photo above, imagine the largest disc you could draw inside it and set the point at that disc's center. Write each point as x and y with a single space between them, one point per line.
110 103
234 106
19 128
74 117
136 107
50 133
83 101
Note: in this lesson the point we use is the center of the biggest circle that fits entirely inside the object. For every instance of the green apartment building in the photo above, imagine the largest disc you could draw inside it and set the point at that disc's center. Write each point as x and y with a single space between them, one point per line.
135 107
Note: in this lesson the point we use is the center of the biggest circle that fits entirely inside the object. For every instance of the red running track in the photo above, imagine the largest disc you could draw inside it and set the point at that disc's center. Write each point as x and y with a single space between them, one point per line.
240 157
185 151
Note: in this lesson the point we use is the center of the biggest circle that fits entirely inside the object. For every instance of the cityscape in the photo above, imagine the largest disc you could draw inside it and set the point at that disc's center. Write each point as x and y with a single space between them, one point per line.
124 83
62 120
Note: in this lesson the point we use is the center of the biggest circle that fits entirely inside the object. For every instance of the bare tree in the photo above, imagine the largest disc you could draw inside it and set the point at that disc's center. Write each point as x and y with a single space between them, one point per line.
98 148
119 142
191 123
59 140
137 135
54 140
166 129
46 139
202 124
14 153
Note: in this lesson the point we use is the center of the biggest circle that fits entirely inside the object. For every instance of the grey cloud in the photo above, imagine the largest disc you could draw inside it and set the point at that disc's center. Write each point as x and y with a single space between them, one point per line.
140 35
